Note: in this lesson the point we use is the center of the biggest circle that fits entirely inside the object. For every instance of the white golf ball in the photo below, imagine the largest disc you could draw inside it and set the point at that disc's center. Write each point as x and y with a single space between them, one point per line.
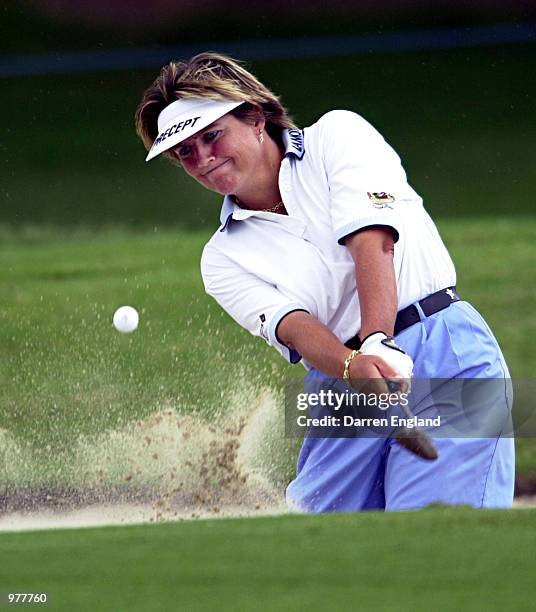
126 319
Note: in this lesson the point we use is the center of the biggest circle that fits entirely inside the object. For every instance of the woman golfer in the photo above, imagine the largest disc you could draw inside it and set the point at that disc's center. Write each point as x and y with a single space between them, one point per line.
327 253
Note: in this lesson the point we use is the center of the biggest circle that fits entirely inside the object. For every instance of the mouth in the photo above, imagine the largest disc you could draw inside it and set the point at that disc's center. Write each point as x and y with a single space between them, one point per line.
215 168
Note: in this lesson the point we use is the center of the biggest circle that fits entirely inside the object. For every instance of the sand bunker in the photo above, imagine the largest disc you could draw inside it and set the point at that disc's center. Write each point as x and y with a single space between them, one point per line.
169 466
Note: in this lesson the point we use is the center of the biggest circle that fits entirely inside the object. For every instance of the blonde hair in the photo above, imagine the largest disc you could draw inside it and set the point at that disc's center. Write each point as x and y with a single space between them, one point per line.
215 76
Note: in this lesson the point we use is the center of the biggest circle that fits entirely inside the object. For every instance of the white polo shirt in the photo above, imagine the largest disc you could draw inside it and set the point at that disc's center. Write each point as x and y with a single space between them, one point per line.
338 176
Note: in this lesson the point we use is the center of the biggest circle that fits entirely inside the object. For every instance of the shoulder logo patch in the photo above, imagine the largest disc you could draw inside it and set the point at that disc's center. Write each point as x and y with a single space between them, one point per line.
381 199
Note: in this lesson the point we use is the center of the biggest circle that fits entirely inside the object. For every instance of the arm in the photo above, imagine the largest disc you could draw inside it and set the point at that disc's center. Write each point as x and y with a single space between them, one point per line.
322 349
372 251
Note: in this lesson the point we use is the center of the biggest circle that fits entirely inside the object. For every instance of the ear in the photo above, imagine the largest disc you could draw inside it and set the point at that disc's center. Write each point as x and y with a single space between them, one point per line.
260 121
259 124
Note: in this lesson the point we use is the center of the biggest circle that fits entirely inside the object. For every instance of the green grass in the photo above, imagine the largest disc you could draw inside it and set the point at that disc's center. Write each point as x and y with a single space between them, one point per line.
58 334
436 559
68 377
67 373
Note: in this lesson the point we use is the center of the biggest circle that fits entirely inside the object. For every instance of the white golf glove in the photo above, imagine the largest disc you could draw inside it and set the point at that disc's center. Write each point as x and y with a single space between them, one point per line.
384 346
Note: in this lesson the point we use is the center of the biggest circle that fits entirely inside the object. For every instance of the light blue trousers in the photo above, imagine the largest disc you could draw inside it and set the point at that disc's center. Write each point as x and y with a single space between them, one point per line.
368 473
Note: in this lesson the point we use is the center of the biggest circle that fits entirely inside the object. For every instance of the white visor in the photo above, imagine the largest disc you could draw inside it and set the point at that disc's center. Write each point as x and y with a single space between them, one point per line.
183 118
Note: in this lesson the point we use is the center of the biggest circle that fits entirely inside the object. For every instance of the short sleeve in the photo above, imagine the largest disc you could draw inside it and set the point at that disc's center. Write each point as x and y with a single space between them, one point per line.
253 303
364 174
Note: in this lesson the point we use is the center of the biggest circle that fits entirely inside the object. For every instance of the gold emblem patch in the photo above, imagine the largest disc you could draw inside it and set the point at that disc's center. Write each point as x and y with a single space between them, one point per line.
380 199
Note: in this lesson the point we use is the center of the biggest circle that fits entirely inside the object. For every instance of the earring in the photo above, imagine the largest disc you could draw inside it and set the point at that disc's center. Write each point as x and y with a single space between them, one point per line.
261 138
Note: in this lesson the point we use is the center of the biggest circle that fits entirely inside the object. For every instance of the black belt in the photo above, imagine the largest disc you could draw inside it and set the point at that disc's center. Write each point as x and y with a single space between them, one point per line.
410 315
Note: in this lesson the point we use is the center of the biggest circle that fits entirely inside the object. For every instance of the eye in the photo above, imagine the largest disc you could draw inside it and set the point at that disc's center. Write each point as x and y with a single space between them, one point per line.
210 136
184 151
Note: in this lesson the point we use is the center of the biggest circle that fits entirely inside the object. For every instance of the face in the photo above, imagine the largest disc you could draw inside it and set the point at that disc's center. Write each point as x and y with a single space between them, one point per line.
223 156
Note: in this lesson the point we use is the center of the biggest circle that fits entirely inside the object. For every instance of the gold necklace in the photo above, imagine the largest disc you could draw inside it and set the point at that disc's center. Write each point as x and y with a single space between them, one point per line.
275 208
279 206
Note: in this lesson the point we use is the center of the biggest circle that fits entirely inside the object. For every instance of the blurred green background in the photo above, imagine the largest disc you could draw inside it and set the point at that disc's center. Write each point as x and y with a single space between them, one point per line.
461 119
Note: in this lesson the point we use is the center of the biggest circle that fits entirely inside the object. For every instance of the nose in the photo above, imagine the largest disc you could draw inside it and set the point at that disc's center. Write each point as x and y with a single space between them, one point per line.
205 156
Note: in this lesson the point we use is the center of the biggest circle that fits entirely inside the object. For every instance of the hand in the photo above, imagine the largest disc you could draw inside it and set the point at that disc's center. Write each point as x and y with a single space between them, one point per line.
382 359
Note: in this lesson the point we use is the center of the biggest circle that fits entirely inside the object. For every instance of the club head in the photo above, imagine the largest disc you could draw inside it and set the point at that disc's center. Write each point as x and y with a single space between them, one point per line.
417 442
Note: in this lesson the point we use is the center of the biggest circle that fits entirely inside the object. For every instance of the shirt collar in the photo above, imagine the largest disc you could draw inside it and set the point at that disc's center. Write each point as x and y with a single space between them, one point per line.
226 212
293 142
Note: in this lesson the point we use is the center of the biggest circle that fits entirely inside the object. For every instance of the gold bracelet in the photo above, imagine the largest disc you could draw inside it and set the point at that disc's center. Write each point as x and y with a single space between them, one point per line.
347 362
